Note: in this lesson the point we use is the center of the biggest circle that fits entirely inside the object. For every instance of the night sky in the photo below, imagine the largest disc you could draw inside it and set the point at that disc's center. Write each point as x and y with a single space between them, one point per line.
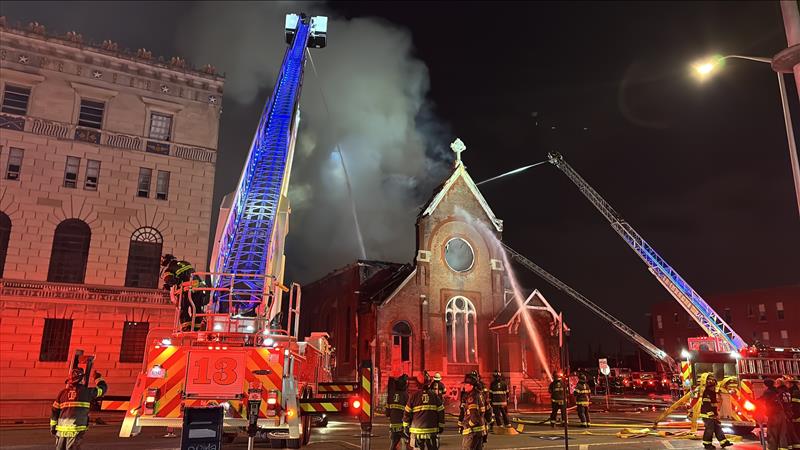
699 169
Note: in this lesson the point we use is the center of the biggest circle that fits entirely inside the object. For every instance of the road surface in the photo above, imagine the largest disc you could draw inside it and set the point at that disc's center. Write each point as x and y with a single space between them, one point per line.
344 435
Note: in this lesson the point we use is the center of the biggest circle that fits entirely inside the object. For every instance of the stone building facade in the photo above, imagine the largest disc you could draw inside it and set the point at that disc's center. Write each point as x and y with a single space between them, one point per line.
107 161
451 311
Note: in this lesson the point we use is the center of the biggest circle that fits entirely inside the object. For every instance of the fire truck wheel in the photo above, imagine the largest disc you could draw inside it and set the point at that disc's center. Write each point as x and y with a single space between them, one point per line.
294 443
277 443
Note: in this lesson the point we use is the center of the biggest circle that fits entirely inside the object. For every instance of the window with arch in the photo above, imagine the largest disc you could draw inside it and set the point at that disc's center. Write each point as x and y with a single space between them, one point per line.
401 337
70 252
462 329
5 235
144 258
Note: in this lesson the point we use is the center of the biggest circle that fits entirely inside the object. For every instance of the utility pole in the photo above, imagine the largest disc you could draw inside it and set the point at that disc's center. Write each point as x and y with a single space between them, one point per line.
565 383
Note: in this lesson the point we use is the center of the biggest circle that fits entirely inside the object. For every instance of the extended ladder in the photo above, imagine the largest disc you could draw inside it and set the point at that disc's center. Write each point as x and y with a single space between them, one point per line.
635 337
690 300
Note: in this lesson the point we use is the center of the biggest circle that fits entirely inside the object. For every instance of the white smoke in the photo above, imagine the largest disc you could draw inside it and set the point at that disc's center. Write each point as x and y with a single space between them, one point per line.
378 116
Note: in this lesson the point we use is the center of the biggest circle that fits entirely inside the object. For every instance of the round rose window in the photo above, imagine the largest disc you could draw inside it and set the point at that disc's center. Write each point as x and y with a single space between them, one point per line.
458 255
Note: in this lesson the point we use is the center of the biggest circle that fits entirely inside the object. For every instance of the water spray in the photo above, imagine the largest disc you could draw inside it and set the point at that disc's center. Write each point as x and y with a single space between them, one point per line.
530 325
344 166
515 171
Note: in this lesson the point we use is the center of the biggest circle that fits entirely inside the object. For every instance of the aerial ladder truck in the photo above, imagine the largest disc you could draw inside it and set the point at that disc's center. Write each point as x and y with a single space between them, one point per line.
243 354
736 363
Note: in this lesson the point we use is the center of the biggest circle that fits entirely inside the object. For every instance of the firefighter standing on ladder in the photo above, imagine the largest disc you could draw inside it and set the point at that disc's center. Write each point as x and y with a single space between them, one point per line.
709 412
499 391
583 400
395 410
423 419
69 418
471 422
179 274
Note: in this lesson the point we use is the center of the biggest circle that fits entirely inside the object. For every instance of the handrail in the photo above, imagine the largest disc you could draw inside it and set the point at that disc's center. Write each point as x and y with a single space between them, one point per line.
109 138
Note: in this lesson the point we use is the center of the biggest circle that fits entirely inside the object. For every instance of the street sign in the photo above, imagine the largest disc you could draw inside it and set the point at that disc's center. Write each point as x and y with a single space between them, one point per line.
604 369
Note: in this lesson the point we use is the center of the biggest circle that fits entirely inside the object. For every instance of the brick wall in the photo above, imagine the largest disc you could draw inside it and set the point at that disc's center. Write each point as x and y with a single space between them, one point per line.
27 385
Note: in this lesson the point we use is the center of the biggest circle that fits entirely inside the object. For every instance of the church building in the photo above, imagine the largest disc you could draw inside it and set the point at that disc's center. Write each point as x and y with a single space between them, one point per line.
451 311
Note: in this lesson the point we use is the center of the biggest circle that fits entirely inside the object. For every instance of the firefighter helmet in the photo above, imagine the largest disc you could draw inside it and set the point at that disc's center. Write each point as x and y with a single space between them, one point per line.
582 376
76 375
401 383
437 377
470 378
166 259
497 374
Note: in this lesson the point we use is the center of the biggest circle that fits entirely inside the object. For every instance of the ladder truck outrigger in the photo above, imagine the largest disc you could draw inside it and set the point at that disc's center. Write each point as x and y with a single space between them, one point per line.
737 364
243 354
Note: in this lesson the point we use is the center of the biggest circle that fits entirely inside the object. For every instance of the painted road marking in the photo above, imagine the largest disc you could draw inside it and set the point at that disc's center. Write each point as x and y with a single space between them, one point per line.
667 444
583 447
562 445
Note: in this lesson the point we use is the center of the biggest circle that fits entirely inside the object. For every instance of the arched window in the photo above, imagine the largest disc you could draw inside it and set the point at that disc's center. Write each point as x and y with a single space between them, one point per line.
144 256
401 340
70 252
461 322
5 234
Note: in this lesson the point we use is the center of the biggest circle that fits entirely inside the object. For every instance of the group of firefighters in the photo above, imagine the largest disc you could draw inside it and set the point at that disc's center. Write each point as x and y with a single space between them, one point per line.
419 419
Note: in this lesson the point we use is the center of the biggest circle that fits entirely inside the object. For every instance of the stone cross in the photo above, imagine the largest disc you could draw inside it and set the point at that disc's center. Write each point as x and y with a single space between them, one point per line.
458 146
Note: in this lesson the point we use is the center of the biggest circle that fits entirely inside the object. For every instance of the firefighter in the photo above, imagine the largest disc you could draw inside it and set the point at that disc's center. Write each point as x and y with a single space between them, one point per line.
176 273
558 404
471 421
69 418
785 396
583 400
499 391
423 419
777 422
709 412
438 387
395 410
795 393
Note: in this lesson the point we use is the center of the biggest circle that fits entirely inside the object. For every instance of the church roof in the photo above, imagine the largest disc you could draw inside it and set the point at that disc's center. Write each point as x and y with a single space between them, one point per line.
509 313
461 172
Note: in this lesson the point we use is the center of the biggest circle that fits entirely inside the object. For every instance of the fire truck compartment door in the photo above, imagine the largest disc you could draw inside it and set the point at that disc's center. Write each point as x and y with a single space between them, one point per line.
215 374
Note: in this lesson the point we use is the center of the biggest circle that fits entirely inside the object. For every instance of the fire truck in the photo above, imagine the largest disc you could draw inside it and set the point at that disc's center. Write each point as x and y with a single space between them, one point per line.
241 352
724 353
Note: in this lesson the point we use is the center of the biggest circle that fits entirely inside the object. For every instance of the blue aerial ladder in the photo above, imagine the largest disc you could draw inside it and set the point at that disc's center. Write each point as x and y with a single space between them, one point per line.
248 259
691 301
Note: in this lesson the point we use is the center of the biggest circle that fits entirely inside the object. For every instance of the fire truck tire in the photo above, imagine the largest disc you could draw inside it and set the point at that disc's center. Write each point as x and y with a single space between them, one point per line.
277 443
294 443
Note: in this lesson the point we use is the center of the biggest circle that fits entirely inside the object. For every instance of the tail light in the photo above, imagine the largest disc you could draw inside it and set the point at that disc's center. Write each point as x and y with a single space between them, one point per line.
272 403
150 401
355 405
749 406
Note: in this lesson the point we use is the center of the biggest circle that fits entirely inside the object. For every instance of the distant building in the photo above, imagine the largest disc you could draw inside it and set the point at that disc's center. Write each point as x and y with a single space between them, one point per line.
451 312
107 161
768 315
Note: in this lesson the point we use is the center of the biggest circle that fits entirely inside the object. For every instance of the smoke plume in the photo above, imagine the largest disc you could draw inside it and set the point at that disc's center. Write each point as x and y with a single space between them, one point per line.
377 113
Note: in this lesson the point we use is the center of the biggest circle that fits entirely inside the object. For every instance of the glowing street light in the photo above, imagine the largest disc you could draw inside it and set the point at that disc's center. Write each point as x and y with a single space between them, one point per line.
703 69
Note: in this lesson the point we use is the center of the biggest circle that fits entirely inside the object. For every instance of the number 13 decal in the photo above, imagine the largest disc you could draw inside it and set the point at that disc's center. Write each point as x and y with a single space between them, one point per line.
223 372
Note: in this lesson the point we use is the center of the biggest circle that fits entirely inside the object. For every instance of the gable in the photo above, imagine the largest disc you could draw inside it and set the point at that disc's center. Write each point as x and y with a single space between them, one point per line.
460 173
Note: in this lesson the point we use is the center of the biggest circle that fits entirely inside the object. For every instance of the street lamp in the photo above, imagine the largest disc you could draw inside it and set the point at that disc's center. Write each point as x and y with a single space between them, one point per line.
705 68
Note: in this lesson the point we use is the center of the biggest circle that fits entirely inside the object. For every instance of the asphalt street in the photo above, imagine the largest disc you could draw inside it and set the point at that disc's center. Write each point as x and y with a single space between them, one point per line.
344 434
